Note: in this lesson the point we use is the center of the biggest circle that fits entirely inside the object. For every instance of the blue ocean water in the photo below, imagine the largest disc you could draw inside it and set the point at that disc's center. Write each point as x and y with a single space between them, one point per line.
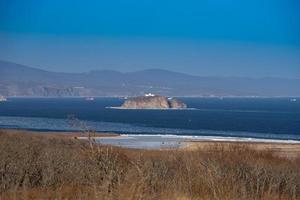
236 117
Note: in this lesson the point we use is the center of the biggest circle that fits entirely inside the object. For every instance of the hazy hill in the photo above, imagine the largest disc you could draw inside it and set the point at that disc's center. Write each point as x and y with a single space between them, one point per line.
20 80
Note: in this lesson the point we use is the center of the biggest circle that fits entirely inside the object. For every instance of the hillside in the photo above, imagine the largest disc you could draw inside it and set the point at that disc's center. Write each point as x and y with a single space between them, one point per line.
20 80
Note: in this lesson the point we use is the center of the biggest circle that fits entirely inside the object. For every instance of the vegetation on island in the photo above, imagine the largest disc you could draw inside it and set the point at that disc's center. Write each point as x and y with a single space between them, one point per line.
153 102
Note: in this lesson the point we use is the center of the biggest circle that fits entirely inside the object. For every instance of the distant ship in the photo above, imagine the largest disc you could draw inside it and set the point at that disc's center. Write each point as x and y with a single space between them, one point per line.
293 100
89 98
2 98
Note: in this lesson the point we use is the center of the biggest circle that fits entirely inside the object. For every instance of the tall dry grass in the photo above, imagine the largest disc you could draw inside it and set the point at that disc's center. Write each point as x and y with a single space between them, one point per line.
36 166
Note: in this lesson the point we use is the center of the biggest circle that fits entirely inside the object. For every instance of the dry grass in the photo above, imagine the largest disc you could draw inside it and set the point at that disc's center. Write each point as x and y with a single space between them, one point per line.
291 150
36 166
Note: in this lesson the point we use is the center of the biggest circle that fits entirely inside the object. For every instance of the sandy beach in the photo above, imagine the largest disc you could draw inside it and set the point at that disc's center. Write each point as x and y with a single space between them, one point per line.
286 148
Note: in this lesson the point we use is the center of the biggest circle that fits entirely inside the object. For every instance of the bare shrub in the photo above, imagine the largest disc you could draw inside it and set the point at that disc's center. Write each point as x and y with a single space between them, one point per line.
36 166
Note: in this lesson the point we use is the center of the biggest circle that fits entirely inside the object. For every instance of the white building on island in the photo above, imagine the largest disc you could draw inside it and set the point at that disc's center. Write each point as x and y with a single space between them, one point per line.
149 95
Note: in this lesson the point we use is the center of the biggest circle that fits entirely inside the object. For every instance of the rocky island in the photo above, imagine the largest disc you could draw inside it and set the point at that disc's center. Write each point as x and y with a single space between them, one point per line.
153 102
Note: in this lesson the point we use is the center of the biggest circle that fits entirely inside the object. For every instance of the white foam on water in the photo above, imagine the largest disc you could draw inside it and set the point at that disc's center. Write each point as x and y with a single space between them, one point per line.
214 138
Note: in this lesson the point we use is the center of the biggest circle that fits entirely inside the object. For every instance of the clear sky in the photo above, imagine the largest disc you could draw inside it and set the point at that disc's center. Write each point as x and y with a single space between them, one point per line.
254 38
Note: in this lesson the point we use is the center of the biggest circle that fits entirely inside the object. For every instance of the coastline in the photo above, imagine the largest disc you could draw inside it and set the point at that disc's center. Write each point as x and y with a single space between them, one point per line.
282 148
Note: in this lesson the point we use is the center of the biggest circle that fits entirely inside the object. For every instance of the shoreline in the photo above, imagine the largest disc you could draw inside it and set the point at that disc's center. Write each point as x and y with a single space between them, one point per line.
211 138
183 138
123 108
282 148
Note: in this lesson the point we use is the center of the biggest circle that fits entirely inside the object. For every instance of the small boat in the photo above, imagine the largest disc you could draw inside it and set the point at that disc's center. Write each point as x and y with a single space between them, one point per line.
2 98
89 98
293 100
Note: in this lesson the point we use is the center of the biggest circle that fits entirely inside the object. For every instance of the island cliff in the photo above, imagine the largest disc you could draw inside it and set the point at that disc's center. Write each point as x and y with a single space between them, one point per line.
153 102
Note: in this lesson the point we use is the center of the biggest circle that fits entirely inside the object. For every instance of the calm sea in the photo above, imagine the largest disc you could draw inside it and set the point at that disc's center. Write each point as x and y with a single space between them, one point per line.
276 118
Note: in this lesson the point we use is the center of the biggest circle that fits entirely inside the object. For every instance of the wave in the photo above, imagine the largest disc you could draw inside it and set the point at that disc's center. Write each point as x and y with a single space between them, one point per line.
211 138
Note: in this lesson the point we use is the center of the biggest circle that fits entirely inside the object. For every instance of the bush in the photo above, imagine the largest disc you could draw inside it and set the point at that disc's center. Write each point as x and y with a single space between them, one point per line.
36 166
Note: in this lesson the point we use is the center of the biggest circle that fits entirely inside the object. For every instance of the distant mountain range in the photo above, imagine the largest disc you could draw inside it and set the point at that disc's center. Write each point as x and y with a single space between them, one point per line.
20 80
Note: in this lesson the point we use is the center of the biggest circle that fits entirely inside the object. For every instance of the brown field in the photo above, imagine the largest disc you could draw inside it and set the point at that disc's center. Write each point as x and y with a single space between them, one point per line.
289 150
53 166
61 134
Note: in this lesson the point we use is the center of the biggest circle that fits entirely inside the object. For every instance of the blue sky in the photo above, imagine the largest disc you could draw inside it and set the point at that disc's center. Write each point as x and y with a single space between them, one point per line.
209 37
